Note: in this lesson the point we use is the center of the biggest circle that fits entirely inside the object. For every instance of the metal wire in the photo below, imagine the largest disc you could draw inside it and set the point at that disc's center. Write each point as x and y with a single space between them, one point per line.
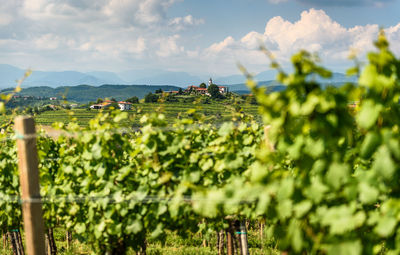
63 133
109 199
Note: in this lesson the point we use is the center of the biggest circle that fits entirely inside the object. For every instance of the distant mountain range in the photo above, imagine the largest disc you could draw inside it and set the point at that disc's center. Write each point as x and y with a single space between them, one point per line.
84 87
240 78
336 80
9 74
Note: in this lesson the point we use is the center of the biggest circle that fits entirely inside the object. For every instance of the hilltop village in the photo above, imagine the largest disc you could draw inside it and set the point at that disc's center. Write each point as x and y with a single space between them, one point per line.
212 90
122 97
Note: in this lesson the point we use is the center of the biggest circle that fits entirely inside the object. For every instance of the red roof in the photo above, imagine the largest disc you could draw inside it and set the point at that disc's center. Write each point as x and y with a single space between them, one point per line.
122 102
201 89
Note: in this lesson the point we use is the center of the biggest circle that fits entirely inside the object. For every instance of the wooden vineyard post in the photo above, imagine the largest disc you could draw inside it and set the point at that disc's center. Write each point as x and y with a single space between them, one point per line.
229 239
68 239
221 241
29 179
267 140
244 249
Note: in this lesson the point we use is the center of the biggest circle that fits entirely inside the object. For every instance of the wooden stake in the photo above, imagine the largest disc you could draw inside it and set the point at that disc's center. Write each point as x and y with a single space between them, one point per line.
261 234
29 178
267 141
68 239
229 239
12 243
244 249
221 241
5 242
46 243
19 241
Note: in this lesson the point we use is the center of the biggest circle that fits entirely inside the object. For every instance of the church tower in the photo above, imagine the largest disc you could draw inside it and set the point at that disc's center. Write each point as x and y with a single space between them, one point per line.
210 82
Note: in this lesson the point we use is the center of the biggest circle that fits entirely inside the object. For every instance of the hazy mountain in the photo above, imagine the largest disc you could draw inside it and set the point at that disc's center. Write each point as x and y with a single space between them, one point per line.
65 78
137 74
337 80
108 77
176 78
9 75
240 78
243 89
338 77
231 79
266 75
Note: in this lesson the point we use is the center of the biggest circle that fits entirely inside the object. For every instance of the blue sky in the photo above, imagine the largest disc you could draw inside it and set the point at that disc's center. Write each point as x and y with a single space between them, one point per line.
206 37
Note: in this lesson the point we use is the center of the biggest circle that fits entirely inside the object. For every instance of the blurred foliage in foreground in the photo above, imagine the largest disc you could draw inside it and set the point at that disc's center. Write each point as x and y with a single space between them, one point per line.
324 179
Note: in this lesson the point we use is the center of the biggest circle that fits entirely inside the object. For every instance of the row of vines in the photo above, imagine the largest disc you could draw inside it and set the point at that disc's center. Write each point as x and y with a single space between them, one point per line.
113 187
326 181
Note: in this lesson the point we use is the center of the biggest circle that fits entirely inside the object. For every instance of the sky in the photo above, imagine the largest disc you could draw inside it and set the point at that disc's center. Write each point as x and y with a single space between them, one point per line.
201 37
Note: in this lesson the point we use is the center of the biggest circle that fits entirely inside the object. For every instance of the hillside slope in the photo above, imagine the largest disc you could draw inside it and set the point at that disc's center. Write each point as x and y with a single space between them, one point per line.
86 93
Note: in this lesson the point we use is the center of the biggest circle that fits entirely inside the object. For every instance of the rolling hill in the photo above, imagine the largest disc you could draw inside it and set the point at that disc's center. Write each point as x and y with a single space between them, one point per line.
86 93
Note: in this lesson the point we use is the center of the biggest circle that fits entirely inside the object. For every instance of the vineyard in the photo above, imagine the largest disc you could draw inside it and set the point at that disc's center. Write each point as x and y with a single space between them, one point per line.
320 178
213 112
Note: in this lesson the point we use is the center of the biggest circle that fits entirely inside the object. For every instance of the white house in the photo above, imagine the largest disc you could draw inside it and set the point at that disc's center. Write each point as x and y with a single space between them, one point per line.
222 89
103 105
124 105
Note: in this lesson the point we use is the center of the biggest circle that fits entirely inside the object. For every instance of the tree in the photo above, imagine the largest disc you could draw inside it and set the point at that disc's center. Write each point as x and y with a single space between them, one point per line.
203 85
28 110
158 91
99 101
151 98
180 91
114 105
213 90
113 99
133 100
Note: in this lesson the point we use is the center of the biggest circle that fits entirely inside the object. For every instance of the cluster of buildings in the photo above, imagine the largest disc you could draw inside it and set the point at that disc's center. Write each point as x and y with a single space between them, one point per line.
33 98
204 91
191 89
121 104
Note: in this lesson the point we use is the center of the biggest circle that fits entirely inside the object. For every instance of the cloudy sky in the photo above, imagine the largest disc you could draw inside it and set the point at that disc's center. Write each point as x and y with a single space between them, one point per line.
196 36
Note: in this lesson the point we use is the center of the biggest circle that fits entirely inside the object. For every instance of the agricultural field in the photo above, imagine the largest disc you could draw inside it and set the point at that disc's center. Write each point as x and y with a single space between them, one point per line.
215 112
174 245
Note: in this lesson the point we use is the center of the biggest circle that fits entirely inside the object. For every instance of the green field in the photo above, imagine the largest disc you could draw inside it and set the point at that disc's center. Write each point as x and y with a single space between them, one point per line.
213 112
174 245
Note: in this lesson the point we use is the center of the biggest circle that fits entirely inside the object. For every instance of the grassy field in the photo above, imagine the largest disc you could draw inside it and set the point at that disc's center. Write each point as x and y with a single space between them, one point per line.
174 245
214 112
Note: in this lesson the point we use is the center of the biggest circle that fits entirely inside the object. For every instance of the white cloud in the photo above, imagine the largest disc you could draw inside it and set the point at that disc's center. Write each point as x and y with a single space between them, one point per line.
315 31
228 42
125 34
122 12
111 32
180 23
343 3
169 46
277 1
5 19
